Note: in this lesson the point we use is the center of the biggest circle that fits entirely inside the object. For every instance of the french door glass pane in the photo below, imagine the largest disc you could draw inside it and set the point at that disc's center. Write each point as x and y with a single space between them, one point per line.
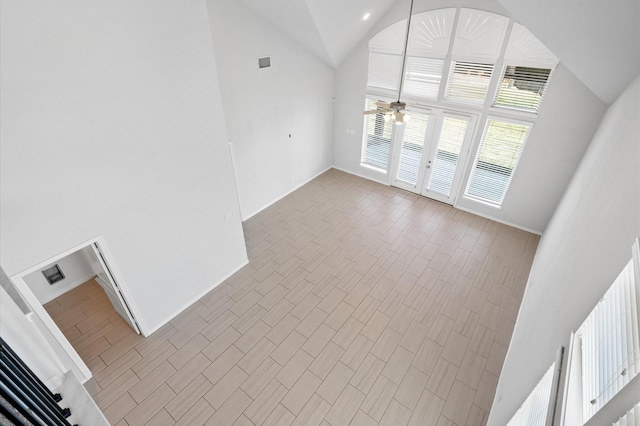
412 146
446 159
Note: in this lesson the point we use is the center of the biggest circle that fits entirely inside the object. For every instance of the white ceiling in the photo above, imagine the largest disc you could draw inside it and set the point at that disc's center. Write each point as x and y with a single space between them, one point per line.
599 41
329 29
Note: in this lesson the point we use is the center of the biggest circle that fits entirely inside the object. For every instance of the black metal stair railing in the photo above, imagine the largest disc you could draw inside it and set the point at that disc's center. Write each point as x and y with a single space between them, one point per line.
24 399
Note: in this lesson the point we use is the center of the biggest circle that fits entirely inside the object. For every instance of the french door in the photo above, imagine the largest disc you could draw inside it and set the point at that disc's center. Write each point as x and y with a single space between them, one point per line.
429 153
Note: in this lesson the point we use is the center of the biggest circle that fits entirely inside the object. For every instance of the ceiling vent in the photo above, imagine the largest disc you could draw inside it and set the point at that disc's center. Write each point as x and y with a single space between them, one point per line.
264 62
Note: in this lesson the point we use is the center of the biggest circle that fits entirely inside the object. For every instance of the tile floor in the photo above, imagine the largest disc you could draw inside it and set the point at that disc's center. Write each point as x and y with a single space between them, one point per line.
361 305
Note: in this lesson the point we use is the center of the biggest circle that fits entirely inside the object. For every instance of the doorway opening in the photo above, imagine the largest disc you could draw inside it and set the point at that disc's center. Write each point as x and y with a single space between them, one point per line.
429 153
79 304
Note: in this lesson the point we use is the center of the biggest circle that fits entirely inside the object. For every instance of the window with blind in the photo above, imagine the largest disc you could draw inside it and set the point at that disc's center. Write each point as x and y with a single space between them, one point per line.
498 155
610 343
422 78
469 82
384 72
522 88
377 133
450 67
534 410
452 135
413 136
631 418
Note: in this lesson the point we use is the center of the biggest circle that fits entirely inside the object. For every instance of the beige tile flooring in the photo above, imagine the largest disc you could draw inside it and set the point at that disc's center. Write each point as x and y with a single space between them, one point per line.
361 305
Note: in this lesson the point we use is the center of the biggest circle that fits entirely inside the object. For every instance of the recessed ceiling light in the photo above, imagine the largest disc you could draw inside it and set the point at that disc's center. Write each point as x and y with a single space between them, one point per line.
366 16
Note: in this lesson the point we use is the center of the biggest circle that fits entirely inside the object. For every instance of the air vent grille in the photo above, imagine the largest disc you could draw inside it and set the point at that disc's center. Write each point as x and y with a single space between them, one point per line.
264 62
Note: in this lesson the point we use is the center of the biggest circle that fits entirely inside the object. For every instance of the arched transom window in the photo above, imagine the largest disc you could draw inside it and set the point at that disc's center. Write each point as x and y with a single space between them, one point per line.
474 82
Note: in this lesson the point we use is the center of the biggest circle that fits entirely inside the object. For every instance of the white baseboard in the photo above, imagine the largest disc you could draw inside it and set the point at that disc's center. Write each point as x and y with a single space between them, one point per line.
362 176
249 216
495 219
195 299
69 287
486 216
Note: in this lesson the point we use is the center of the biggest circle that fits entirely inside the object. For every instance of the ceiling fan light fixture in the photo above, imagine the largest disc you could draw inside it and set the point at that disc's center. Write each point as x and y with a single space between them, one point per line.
401 118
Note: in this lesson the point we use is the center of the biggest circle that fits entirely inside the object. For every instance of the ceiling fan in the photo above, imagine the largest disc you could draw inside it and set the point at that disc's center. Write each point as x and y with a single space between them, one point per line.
396 110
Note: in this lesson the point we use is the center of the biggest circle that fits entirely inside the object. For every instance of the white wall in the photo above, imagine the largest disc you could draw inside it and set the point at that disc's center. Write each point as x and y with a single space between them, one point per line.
112 124
586 244
264 107
75 269
566 122
567 119
7 285
26 341
567 28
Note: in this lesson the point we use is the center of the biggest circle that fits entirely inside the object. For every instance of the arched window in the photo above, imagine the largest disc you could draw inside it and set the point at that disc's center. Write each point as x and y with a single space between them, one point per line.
465 68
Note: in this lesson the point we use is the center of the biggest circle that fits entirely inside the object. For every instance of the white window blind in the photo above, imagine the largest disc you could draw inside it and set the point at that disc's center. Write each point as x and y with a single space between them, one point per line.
422 78
522 88
412 145
631 418
377 139
449 145
384 71
469 82
533 411
610 343
500 150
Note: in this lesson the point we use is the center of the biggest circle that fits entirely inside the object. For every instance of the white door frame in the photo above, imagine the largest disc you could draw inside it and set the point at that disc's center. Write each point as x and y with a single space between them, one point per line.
430 147
50 330
463 157
396 151
113 284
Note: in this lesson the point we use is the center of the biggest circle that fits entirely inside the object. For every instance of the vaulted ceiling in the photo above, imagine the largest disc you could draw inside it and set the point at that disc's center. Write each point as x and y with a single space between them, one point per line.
598 41
330 29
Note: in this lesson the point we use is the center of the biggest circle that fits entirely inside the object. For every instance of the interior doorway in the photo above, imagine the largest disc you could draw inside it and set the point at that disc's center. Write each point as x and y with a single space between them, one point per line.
429 153
76 298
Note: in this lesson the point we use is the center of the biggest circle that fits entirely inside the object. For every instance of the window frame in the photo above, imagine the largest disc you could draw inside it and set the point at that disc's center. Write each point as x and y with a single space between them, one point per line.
572 393
464 101
371 97
480 143
507 109
552 377
484 109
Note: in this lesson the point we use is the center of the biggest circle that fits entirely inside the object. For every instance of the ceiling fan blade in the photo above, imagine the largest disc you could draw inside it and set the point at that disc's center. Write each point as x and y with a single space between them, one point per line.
379 111
385 105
